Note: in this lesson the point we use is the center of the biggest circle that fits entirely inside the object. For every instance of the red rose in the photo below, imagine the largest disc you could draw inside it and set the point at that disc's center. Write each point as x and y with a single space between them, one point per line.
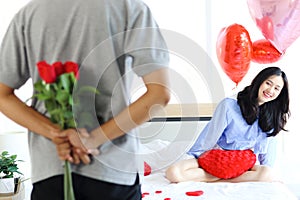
59 68
46 71
71 67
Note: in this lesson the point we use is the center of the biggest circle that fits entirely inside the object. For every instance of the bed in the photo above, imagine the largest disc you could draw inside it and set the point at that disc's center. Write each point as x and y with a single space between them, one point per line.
159 154
167 137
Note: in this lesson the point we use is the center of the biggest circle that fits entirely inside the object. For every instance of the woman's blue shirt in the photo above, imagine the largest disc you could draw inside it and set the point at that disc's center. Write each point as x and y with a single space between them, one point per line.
229 130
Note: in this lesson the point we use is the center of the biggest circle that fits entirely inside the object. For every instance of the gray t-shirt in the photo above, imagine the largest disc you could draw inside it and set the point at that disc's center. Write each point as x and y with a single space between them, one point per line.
111 40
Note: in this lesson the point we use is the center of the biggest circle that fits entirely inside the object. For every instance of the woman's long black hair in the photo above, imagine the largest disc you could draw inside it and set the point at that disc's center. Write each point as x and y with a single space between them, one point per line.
271 115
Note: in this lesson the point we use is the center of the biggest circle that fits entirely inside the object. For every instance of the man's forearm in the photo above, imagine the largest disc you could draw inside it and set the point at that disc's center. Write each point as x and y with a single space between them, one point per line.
12 107
155 98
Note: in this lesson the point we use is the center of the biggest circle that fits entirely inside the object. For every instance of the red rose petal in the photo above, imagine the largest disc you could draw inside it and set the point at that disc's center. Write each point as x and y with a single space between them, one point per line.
158 191
71 67
167 198
46 72
59 68
145 194
194 193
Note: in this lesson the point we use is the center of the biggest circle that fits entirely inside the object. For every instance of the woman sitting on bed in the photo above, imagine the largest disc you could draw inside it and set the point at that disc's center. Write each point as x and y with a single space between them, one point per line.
251 121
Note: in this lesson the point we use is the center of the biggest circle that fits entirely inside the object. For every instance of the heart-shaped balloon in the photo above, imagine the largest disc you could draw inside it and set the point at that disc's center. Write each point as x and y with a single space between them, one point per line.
277 20
234 51
264 52
227 164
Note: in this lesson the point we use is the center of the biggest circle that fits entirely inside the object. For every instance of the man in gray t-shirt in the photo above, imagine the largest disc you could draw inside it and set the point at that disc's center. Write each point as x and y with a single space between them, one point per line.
112 40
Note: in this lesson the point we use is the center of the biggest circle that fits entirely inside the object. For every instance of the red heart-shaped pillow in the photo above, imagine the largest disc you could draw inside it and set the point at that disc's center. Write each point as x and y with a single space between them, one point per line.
227 164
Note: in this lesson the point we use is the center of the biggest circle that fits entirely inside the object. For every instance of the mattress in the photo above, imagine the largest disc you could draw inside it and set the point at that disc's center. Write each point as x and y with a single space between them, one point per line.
160 154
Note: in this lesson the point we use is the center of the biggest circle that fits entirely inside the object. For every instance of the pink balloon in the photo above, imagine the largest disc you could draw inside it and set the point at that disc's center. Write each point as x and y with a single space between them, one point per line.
278 20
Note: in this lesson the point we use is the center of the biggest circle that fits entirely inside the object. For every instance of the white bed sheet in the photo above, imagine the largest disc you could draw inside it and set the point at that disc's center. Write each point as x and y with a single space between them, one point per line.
156 187
213 191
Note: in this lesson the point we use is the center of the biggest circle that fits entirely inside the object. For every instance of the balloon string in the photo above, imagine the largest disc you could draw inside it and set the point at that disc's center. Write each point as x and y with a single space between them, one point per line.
235 87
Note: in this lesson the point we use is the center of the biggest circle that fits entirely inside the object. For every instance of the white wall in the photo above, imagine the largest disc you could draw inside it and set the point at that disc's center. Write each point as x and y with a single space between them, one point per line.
7 11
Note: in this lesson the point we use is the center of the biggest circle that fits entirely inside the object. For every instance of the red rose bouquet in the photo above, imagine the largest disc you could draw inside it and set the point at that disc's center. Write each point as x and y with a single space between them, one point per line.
56 90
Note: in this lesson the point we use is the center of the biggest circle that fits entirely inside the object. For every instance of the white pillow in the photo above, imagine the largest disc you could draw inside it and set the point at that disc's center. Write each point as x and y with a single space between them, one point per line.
160 154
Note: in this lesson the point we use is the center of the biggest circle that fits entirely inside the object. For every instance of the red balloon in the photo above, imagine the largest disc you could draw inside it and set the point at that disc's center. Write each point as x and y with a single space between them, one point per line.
234 51
264 52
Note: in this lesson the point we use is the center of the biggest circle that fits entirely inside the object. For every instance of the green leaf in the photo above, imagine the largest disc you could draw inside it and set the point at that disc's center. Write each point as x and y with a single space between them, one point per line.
13 157
50 105
55 111
63 97
4 153
88 89
71 102
68 114
8 165
65 82
72 79
13 168
45 93
42 97
71 123
39 86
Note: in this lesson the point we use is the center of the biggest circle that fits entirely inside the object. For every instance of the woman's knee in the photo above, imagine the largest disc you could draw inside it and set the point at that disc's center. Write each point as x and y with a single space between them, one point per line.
174 174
